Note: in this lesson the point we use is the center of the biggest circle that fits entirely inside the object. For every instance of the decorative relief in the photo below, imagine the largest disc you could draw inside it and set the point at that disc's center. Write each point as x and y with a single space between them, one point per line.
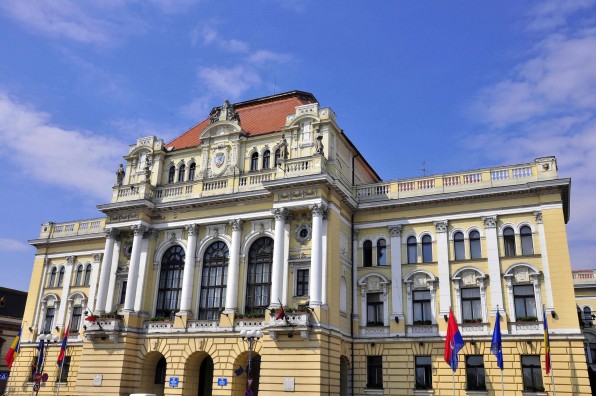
70 259
489 221
343 246
97 257
420 280
297 194
318 210
441 226
112 233
538 215
225 112
521 275
469 278
127 249
138 230
303 233
395 230
280 213
124 216
373 284
192 229
533 326
236 224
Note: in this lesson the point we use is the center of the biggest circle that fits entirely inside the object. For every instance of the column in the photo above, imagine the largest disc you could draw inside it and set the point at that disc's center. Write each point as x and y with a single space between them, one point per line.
324 263
494 265
286 275
363 313
93 281
443 261
106 266
397 308
189 269
316 255
550 304
133 269
234 268
60 320
277 270
143 269
355 273
46 264
110 300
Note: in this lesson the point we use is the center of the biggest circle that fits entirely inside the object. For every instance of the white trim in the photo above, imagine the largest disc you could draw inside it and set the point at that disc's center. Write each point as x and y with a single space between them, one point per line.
63 255
299 204
213 220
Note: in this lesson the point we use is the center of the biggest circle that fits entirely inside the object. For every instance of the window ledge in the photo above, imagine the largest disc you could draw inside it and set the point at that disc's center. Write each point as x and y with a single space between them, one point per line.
529 393
371 391
423 392
476 392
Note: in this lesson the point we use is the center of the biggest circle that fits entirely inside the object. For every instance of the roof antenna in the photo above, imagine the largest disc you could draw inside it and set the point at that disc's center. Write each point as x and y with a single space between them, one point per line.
423 169
274 84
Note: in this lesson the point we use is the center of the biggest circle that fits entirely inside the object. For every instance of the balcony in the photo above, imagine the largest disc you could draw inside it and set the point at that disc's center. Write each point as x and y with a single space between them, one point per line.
103 329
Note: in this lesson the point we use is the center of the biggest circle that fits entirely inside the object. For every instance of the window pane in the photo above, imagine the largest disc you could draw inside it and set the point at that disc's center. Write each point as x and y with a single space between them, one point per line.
526 240
258 288
412 250
381 252
427 251
475 245
458 246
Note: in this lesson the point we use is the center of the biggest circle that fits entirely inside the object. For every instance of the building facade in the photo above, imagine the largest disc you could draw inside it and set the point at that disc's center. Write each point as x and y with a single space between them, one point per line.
584 283
267 205
12 306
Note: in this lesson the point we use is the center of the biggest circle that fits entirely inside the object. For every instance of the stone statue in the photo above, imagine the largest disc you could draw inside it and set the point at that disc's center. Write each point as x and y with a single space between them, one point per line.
214 116
120 175
225 112
319 142
148 170
283 148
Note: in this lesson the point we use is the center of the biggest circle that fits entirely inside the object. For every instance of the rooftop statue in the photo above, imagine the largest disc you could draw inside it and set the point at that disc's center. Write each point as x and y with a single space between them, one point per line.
225 112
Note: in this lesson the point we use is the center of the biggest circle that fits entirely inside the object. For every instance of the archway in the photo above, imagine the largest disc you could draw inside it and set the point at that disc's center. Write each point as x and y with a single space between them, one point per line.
344 367
153 374
198 375
240 382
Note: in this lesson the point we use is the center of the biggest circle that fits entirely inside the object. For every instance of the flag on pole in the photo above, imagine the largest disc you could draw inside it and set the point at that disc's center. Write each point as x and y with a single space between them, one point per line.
63 347
40 349
453 343
13 351
495 346
282 314
546 343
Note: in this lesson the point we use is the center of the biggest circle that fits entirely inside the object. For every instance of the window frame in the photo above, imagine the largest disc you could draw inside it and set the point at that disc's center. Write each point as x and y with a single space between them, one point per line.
509 242
425 305
76 318
171 173
52 279
412 249
476 314
63 379
254 162
191 171
376 308
477 372
381 252
535 373
266 159
181 173
48 324
305 283
367 253
530 296
216 260
374 372
169 282
426 243
61 277
526 240
474 243
424 363
78 275
459 246
260 255
87 276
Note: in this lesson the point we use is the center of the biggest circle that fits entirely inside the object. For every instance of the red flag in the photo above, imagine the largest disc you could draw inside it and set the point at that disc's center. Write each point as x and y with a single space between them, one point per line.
63 347
547 361
14 350
281 314
453 343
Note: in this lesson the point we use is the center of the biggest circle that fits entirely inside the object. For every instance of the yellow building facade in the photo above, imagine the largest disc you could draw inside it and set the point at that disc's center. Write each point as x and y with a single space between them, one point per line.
267 205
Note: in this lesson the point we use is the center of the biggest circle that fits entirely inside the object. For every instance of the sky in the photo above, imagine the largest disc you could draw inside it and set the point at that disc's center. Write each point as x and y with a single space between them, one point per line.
418 86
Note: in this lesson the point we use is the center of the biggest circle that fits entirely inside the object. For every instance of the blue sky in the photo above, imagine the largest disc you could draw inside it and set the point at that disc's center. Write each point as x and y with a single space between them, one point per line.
456 85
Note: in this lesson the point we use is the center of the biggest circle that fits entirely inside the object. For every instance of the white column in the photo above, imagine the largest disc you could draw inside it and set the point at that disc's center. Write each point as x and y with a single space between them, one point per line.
234 268
133 269
355 273
277 269
397 308
550 304
286 275
363 313
142 270
443 261
189 269
316 255
93 282
494 264
110 300
46 264
106 266
59 321
324 260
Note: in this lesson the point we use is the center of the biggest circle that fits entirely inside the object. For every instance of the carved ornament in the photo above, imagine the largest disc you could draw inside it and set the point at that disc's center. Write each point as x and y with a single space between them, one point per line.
441 226
489 221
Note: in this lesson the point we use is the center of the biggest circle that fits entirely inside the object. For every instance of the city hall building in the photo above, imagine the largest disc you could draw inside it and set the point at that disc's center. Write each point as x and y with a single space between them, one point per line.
266 205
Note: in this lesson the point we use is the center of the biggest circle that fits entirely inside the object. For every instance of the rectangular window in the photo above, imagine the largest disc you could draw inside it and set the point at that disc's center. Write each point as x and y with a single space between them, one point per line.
374 372
122 296
421 305
532 373
49 320
302 282
470 304
525 303
374 309
65 369
424 375
75 322
475 373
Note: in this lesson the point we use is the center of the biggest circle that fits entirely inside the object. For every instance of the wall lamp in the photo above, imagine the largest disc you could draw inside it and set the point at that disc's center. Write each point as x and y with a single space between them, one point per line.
553 314
396 319
446 318
57 328
473 342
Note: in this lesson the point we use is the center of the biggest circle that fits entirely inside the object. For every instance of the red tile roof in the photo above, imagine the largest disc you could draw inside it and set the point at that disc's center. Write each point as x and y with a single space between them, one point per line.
257 117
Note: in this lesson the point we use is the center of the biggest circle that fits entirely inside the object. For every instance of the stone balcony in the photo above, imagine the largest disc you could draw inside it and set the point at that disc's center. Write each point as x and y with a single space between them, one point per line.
103 329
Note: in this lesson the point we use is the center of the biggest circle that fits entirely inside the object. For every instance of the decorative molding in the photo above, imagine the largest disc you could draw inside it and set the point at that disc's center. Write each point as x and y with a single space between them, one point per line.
236 224
192 229
97 257
489 221
538 215
71 259
318 210
441 226
280 213
395 230
303 233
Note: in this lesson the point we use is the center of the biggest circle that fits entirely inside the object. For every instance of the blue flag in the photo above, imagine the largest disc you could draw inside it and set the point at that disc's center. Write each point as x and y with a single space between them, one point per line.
496 347
40 349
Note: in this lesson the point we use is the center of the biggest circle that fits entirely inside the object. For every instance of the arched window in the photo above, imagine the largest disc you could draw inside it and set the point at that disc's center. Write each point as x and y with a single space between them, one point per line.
427 249
475 251
160 372
266 157
254 162
367 254
181 173
60 276
458 246
509 241
87 278
52 277
171 174
587 316
191 171
277 157
79 275
526 240
412 250
214 280
381 252
170 282
258 288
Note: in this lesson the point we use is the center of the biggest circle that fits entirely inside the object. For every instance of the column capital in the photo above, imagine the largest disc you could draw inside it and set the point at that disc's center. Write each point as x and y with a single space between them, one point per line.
355 235
489 221
236 224
97 257
318 210
70 260
138 229
192 229
112 233
441 226
395 230
280 213
538 215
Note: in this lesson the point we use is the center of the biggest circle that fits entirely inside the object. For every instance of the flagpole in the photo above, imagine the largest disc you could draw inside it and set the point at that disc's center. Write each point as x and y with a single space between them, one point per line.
453 380
552 377
502 386
60 378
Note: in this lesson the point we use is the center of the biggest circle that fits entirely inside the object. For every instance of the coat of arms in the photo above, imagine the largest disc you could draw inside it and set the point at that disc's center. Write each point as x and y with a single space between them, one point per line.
219 159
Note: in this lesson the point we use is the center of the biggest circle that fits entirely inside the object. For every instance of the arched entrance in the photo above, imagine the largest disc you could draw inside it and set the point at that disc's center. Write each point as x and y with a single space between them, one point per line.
344 367
198 375
153 374
240 382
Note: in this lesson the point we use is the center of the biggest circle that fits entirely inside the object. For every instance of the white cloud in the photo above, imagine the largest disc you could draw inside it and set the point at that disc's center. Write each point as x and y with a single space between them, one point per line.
547 106
208 35
47 153
198 108
263 56
548 15
11 245
229 82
